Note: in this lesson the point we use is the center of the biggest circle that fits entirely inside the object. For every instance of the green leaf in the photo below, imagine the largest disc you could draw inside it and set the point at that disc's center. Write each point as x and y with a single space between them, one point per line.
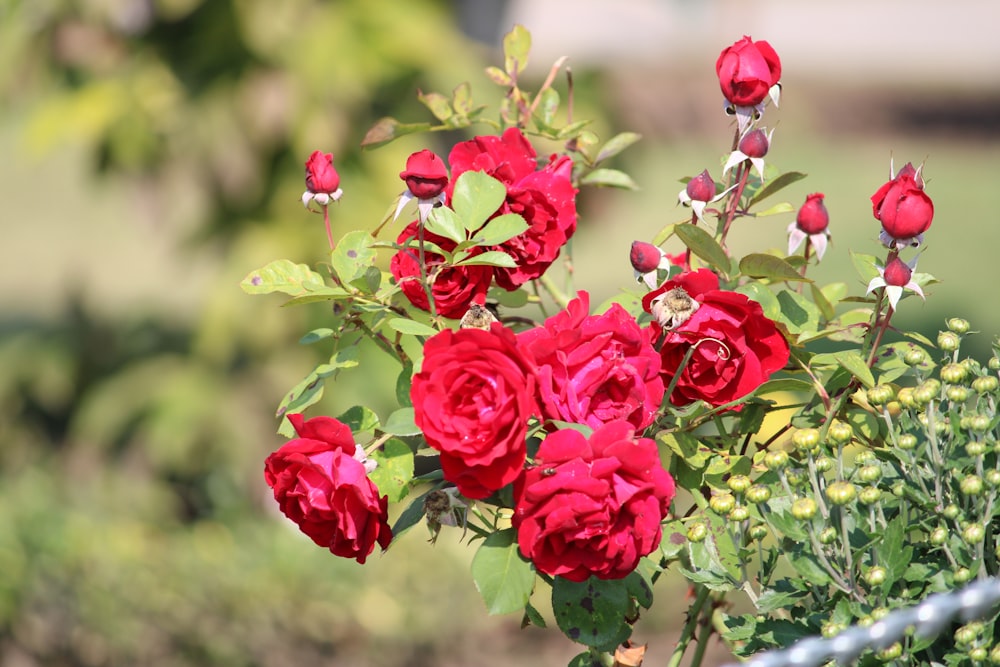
461 99
282 275
674 539
314 296
854 363
763 295
548 105
516 46
809 567
592 612
498 76
438 105
360 419
865 266
783 384
532 617
353 255
702 244
777 209
798 313
387 129
403 384
490 258
616 145
824 305
502 577
316 335
573 129
776 185
394 472
612 178
759 265
445 222
411 327
639 587
476 197
409 517
401 422
499 229
310 389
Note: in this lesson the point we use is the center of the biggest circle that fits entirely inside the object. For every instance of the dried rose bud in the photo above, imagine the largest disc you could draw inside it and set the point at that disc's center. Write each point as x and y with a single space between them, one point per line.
645 257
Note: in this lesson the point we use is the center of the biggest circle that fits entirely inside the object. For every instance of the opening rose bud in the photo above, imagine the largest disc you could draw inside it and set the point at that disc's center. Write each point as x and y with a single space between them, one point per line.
813 217
701 187
903 208
754 144
321 177
426 175
747 70
645 257
897 273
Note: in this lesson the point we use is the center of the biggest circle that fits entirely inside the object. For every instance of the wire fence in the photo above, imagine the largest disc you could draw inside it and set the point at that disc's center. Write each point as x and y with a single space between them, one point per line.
927 619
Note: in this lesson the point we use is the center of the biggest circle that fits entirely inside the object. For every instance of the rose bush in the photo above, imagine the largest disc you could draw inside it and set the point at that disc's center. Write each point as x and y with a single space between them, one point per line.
321 483
731 346
595 369
472 400
592 507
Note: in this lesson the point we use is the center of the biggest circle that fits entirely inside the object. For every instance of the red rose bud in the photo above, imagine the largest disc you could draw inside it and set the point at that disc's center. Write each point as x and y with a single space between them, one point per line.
321 177
426 175
754 144
701 187
813 217
645 257
902 206
897 273
747 70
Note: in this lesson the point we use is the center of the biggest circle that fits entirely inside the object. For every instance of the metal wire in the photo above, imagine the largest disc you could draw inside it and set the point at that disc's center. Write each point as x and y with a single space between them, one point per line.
928 619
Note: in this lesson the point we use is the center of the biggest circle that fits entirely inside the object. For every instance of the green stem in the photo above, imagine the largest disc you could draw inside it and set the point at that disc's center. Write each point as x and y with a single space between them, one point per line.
694 616
326 223
702 644
557 294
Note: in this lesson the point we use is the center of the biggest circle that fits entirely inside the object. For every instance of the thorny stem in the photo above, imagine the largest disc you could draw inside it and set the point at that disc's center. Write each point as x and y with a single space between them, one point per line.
734 200
694 616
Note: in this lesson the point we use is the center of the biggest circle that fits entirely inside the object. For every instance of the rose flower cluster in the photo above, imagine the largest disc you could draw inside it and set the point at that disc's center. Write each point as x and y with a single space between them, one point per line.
495 402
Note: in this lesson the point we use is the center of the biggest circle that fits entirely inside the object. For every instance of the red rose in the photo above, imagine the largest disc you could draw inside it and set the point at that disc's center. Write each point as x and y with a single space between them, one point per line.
454 287
321 485
472 400
592 507
701 187
545 198
747 70
321 177
736 348
754 144
813 218
426 175
902 206
594 369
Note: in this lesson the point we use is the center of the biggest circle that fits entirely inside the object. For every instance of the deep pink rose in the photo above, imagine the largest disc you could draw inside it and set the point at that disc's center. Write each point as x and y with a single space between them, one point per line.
321 177
747 70
545 198
472 400
902 206
736 347
426 175
813 218
454 287
592 507
321 484
701 187
595 369
754 144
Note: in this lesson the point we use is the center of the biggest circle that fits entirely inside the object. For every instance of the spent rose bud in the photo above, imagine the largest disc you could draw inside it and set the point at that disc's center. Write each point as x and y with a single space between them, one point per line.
701 187
645 257
813 217
426 175
903 208
322 180
754 144
747 70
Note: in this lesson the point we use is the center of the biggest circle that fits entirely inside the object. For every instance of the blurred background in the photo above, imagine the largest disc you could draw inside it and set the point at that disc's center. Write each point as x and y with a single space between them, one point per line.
152 156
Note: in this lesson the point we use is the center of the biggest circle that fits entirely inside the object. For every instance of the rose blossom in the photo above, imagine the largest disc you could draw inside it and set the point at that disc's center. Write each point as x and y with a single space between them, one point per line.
592 507
453 287
322 180
903 208
736 347
811 222
472 400
594 369
545 198
321 483
426 175
747 70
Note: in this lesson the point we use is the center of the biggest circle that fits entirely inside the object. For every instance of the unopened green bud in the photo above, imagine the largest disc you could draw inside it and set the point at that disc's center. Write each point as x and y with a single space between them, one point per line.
993 364
776 459
907 441
869 474
906 398
738 483
948 341
870 495
978 654
880 394
993 478
953 373
875 577
893 408
797 477
971 485
722 503
864 457
831 629
956 393
823 464
938 536
985 384
995 655
975 448
890 653
980 424
968 634
804 509
926 392
758 493
806 439
958 325
951 512
739 513
840 432
758 532
962 575
841 493
973 533
914 356
697 532
828 535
